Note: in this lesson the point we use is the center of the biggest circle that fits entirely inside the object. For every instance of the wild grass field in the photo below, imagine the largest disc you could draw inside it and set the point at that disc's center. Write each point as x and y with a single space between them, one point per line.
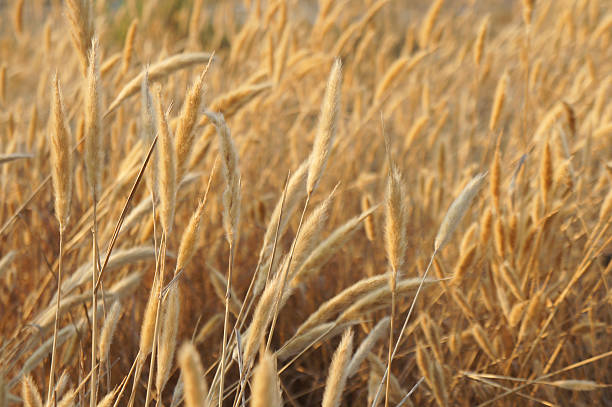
270 202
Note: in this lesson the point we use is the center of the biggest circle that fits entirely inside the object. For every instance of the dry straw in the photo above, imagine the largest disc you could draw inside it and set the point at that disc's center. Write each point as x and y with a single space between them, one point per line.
326 129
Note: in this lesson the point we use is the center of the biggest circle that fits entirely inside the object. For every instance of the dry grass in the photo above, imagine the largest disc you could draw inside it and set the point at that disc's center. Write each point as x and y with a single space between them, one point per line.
307 230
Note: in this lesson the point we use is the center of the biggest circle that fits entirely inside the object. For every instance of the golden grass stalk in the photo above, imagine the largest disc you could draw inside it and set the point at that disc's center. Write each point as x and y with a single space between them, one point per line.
157 71
326 129
194 24
192 374
168 335
395 245
395 222
498 100
338 371
94 152
266 391
167 167
29 393
61 161
185 128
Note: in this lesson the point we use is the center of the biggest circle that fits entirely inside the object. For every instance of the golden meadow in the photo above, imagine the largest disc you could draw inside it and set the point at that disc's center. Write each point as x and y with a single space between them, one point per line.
265 203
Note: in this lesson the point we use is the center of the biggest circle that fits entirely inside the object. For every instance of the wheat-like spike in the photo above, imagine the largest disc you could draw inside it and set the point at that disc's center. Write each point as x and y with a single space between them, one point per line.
429 22
262 317
327 247
128 47
368 224
326 129
166 166
29 393
61 158
577 385
108 331
415 131
266 391
168 335
157 71
498 100
311 232
496 180
231 173
546 174
455 212
606 208
148 322
528 10
367 345
185 129
94 152
483 341
192 374
395 222
3 83
107 400
480 41
338 371
80 16
188 243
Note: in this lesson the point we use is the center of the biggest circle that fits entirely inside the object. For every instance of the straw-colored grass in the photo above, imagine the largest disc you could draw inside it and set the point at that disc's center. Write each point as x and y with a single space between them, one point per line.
254 178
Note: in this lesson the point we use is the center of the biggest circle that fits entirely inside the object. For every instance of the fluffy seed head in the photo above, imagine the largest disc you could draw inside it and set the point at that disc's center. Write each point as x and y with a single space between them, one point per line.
61 158
94 153
166 166
192 374
326 129
498 101
266 391
455 212
338 372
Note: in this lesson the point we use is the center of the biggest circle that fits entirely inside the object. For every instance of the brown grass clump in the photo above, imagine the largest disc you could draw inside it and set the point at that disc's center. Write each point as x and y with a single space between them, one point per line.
307 230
